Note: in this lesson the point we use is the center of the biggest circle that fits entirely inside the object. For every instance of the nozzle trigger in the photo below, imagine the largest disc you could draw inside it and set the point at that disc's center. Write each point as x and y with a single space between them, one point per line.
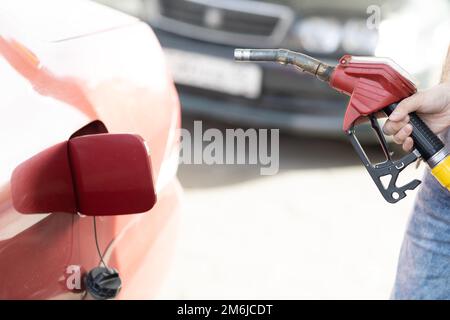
389 168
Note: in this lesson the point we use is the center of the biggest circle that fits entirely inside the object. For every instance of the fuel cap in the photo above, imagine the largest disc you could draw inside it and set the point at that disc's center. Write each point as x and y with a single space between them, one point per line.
103 283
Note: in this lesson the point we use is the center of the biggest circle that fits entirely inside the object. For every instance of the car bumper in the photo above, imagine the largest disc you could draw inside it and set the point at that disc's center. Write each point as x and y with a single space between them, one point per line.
244 114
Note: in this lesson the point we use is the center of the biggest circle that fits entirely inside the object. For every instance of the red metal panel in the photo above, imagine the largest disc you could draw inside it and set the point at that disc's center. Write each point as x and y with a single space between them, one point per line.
111 174
43 183
117 76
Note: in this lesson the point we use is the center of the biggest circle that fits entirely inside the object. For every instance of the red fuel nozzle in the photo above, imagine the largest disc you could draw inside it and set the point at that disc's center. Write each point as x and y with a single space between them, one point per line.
373 84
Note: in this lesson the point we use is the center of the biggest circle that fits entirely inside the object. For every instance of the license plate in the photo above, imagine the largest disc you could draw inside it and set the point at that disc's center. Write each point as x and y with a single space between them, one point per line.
211 73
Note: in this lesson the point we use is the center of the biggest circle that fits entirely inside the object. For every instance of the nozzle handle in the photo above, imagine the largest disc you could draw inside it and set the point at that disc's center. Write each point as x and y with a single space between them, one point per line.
425 141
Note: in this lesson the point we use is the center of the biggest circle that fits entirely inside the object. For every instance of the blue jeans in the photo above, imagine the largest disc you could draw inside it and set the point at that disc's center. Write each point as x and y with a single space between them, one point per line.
423 270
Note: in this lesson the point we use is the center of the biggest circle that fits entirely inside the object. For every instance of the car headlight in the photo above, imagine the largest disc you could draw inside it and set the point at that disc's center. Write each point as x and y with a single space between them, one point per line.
358 38
320 35
132 7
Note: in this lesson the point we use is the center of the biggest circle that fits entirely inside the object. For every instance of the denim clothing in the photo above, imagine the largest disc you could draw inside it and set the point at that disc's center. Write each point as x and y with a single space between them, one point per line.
423 270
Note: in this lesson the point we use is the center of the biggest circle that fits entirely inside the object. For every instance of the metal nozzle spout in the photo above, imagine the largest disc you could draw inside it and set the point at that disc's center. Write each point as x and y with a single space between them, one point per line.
242 54
283 56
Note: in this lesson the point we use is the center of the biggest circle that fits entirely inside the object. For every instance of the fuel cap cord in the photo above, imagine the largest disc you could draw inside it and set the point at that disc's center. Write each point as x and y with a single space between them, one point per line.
102 282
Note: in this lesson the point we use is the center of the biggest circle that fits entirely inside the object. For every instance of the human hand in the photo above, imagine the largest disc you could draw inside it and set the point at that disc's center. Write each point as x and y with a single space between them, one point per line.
432 106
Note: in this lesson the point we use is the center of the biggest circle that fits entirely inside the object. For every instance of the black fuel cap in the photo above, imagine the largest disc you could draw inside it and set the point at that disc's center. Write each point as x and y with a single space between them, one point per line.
103 283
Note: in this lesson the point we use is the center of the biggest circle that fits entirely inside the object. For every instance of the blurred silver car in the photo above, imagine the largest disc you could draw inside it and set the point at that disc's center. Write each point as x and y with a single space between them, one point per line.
199 37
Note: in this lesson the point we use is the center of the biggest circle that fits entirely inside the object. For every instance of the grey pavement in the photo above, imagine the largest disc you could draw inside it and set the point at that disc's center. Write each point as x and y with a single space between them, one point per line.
318 229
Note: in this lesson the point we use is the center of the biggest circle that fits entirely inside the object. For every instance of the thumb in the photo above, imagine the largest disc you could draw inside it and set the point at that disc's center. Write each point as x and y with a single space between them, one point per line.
406 106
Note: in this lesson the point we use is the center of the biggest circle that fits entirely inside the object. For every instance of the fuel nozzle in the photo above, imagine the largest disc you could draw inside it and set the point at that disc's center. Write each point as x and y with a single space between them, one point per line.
305 63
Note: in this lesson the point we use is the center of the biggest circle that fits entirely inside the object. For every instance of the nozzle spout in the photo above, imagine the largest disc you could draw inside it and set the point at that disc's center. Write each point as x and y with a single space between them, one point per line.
284 56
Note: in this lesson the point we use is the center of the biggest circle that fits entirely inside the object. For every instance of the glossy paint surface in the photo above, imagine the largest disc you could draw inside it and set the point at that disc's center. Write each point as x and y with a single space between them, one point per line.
44 183
112 174
52 87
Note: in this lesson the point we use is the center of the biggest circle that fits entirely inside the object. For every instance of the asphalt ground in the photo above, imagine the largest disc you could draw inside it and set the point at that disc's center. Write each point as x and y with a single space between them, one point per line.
318 229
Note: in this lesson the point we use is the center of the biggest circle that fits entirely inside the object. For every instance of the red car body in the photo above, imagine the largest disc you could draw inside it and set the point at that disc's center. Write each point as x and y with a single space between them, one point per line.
63 65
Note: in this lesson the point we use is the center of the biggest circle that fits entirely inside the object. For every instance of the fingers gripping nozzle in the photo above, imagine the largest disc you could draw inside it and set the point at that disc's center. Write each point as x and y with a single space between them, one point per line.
283 56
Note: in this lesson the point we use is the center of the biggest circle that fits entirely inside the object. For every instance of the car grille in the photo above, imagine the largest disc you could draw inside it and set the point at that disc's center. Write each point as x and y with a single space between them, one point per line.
229 22
232 21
